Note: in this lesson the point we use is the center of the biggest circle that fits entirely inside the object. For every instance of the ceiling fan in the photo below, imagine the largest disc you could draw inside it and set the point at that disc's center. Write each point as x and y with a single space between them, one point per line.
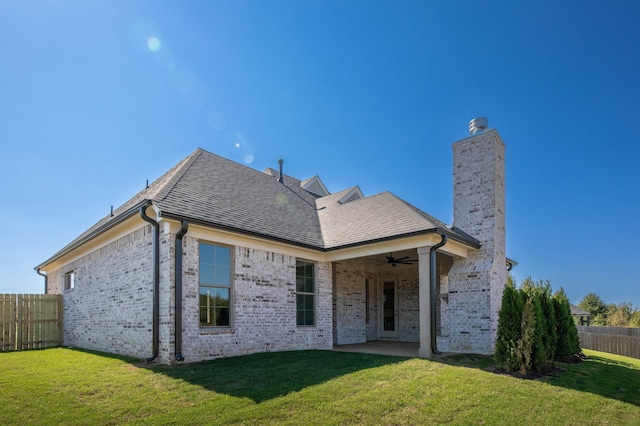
401 261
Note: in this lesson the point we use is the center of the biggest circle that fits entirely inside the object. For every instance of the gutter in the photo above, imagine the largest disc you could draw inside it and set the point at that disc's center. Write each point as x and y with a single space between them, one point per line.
156 281
432 285
46 279
178 290
450 233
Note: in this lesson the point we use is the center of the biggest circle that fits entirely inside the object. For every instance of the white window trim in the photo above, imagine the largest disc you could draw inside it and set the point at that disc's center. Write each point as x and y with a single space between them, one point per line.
69 281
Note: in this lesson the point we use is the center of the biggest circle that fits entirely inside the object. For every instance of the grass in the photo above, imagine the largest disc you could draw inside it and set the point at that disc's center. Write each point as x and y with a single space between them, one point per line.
68 386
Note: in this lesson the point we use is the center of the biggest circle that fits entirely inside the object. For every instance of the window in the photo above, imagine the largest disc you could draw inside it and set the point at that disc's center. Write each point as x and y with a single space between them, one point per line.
215 285
305 293
69 280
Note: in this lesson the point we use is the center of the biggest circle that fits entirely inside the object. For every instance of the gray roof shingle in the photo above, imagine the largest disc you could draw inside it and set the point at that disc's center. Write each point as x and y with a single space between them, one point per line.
219 192
211 190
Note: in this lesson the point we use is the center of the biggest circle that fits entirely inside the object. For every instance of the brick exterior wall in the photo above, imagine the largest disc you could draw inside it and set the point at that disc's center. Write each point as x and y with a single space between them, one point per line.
475 284
351 322
264 307
110 307
349 303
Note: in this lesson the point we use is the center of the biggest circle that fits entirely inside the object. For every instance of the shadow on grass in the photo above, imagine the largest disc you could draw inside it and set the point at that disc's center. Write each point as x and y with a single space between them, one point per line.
603 376
124 358
599 375
265 376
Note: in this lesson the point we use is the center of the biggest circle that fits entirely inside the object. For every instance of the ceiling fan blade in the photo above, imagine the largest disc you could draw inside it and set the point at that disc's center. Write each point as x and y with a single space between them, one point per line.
402 258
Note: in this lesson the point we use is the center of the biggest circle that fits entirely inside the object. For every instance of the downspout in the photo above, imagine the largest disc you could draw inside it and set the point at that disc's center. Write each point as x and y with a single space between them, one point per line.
46 279
432 283
178 291
156 280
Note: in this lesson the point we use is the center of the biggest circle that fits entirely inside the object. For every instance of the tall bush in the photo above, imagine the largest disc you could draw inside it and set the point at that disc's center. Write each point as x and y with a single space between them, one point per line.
526 343
539 356
509 327
568 339
551 323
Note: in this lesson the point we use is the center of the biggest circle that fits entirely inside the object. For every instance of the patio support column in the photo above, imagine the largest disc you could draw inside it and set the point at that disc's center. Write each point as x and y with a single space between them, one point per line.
424 297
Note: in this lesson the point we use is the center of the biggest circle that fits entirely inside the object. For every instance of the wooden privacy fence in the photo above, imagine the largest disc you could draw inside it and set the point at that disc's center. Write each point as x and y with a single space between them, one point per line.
30 321
614 340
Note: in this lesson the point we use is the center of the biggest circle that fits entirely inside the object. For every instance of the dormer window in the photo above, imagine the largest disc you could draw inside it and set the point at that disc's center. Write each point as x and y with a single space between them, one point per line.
315 186
353 195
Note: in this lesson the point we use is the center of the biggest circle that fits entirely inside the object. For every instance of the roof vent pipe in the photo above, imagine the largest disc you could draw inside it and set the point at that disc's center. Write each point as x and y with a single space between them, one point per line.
280 162
478 125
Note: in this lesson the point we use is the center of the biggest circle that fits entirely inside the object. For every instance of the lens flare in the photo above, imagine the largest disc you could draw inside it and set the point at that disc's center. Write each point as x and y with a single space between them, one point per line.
248 159
153 43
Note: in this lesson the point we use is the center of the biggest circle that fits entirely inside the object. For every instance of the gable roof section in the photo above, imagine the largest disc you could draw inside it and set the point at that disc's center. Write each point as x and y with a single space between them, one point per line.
375 218
210 190
315 186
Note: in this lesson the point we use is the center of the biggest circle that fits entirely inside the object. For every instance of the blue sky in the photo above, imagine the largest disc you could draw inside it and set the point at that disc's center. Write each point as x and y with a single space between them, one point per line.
97 97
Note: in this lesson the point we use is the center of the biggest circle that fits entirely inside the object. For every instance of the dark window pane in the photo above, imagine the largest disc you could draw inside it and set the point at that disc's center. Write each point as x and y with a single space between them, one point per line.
222 317
308 270
305 308
308 319
204 316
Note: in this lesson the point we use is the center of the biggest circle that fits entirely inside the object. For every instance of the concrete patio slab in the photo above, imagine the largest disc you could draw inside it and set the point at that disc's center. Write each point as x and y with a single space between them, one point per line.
382 347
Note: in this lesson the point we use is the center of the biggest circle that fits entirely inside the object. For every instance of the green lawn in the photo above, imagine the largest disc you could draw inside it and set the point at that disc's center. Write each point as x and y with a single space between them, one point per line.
68 386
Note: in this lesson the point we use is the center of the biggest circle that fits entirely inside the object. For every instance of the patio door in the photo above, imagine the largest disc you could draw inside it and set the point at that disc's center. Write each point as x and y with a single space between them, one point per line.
389 303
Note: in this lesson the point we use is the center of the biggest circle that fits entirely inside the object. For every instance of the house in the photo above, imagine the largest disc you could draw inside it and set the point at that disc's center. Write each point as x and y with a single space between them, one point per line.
216 259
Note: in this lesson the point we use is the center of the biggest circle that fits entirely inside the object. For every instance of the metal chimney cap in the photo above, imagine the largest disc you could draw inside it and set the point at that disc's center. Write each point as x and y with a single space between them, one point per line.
478 125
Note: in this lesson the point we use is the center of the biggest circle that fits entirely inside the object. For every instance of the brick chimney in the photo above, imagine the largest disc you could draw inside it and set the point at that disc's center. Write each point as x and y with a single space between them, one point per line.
476 283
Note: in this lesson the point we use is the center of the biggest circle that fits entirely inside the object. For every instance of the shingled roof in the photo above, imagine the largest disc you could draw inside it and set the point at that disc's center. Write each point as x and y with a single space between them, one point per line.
214 191
210 190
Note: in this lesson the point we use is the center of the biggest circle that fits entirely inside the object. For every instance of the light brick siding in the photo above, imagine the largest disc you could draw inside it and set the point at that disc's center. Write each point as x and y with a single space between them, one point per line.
110 307
373 325
166 297
350 303
476 283
264 307
350 306
408 306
